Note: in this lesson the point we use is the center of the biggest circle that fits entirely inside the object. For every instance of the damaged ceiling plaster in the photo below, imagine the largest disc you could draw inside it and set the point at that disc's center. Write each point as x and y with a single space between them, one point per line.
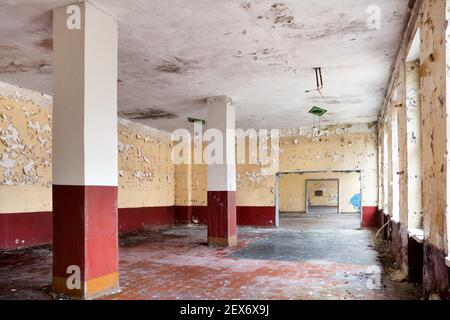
174 53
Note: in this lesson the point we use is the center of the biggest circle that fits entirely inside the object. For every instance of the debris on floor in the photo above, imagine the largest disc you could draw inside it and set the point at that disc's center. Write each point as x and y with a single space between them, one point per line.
176 263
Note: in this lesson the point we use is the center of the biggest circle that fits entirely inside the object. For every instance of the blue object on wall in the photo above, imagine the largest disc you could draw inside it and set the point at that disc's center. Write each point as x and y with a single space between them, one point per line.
356 202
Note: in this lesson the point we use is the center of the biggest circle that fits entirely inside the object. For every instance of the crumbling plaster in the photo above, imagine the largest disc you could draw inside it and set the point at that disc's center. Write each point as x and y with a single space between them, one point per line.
340 147
25 150
347 148
190 185
293 196
329 196
414 146
146 175
146 172
430 17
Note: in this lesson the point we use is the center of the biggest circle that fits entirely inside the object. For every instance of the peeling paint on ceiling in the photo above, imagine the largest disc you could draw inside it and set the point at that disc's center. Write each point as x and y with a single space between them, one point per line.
174 53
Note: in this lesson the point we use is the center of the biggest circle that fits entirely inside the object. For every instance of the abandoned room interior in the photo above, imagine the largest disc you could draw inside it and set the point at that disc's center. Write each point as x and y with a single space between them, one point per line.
226 150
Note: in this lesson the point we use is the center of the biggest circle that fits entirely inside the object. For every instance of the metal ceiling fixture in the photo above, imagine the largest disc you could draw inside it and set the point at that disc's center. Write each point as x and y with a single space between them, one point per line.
319 81
194 120
317 112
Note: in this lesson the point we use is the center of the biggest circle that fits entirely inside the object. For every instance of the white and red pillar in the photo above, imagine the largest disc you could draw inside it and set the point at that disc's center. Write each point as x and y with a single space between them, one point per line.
222 176
85 160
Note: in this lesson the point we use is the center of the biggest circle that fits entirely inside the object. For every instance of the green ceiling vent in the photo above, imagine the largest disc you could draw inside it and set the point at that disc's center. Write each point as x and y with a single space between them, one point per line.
318 111
194 120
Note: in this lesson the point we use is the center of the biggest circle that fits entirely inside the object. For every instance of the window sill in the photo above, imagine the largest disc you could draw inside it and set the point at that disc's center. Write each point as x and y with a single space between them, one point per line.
416 234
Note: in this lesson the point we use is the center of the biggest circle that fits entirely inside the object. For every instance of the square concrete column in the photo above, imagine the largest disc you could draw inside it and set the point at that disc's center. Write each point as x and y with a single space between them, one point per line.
222 174
85 159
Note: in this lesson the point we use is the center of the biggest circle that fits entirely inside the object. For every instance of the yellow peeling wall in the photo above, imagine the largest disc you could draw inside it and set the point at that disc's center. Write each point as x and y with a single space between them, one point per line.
293 196
253 188
428 18
336 148
25 154
147 176
328 193
190 185
424 139
146 172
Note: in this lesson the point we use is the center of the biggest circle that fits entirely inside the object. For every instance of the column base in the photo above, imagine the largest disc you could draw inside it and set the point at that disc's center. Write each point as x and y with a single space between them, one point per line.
91 289
85 236
222 218
222 242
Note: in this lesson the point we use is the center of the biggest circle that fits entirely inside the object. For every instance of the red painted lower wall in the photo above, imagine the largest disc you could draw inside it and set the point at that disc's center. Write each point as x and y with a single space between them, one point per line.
135 219
246 216
370 217
21 230
35 229
256 216
191 215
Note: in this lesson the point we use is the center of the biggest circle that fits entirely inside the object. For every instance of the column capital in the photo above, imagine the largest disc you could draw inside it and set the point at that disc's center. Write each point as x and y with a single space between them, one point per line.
221 100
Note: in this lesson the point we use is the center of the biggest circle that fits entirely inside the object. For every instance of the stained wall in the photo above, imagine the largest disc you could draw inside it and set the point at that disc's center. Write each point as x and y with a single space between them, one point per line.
335 148
429 134
293 196
146 172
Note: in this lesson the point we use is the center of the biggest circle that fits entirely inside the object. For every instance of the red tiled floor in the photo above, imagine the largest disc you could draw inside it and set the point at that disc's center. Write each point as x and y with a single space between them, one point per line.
176 263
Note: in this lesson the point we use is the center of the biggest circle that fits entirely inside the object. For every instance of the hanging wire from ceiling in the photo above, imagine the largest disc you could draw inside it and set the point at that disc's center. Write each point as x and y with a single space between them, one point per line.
319 81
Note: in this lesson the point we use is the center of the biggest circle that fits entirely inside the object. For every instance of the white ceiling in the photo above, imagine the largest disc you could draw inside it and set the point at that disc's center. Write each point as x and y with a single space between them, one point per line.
175 53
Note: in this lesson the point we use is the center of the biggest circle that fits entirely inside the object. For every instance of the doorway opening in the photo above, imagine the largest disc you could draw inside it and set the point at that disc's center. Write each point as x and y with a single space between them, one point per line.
291 192
322 196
